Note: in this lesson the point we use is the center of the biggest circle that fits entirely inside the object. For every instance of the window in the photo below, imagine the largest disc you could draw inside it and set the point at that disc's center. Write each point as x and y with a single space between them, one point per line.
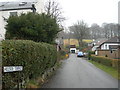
13 13
105 46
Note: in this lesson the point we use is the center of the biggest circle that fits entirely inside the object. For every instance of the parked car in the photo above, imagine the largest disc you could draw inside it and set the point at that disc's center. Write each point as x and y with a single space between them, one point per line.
80 54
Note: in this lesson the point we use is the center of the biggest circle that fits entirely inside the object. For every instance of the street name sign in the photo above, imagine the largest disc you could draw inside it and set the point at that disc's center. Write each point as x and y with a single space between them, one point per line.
13 68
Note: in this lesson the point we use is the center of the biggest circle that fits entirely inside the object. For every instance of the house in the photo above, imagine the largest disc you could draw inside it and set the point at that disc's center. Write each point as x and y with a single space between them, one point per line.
16 8
73 49
110 44
58 47
59 44
1 38
109 48
96 43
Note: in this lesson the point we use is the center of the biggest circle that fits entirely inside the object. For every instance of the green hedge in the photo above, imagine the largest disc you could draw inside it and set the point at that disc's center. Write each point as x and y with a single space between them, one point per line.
35 58
90 53
106 61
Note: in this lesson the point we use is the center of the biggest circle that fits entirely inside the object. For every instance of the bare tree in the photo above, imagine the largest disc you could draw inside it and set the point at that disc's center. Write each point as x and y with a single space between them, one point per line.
80 30
107 30
110 30
96 31
53 9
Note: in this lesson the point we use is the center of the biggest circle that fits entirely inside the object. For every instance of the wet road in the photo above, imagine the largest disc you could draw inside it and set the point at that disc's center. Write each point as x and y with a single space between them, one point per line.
79 73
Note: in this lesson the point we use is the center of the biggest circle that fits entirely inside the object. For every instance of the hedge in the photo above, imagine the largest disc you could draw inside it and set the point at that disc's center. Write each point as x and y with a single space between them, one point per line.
63 54
106 61
90 53
35 58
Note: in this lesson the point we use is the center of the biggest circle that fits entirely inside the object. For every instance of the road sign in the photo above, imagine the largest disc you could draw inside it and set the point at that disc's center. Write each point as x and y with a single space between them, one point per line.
13 68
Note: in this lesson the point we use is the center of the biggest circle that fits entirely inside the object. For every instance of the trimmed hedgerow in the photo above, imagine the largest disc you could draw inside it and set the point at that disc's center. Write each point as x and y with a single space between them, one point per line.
106 61
35 58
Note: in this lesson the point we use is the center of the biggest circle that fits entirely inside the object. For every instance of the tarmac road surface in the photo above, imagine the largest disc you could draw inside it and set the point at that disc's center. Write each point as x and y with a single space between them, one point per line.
79 73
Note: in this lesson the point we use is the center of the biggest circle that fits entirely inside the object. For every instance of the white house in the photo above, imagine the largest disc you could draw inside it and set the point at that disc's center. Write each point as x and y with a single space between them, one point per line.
95 48
95 44
109 48
110 44
73 49
16 8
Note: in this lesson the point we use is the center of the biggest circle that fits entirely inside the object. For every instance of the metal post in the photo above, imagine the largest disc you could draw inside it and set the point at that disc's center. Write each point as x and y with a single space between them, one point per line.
18 80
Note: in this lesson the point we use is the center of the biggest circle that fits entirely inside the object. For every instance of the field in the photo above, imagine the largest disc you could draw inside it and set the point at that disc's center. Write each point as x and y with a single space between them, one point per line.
75 42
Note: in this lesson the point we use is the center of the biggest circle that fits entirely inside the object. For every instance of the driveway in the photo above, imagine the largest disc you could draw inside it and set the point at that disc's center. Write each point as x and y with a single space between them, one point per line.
79 73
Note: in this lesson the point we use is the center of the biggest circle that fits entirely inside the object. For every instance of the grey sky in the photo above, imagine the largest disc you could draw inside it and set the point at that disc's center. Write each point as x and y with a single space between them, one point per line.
91 11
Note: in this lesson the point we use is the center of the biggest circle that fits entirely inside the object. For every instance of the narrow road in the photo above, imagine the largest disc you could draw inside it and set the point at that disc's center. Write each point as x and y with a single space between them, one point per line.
79 73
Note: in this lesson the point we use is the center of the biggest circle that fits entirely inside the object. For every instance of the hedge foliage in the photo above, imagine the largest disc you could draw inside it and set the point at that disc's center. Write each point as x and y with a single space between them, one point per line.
35 58
63 54
90 53
106 61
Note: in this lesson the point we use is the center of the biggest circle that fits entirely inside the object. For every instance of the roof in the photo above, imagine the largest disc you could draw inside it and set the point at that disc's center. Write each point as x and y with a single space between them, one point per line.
6 6
100 42
113 46
113 40
72 46
99 39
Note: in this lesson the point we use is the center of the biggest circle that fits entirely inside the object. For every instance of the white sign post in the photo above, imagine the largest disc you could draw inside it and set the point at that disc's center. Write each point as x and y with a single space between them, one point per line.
13 69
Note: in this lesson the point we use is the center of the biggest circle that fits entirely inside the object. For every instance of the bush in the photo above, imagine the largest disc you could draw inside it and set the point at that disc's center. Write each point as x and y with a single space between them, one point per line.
35 58
62 54
90 53
32 26
105 60
115 63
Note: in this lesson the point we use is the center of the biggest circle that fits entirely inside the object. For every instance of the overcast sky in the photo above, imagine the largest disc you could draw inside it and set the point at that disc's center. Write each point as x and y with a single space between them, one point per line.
91 11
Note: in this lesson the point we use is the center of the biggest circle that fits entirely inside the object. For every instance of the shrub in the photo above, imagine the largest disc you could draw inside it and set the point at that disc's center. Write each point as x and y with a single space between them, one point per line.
32 26
62 54
90 53
35 58
115 63
106 61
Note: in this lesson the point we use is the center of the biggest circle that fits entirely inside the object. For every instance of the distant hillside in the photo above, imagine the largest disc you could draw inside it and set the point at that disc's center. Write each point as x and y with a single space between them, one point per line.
75 42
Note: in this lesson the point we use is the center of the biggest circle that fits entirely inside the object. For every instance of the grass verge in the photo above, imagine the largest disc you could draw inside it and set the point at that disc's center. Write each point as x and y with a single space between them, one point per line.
110 70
